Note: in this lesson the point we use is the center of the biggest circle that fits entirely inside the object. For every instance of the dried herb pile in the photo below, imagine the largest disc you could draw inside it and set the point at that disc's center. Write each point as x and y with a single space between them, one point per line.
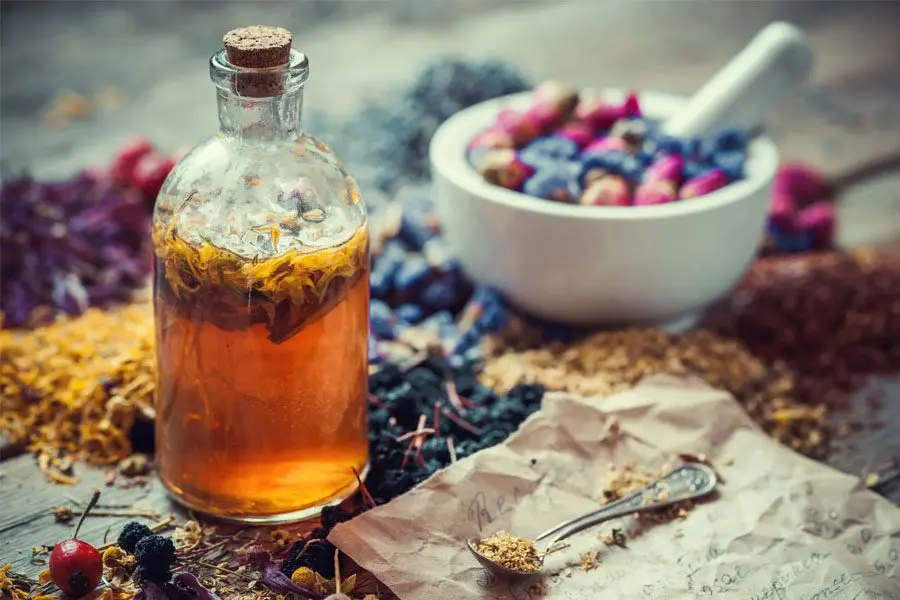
76 389
386 144
425 417
833 317
605 363
72 244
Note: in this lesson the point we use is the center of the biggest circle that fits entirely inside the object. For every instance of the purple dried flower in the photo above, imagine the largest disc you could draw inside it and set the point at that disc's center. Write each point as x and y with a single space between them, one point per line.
151 591
193 587
703 184
783 213
804 183
818 220
65 246
271 575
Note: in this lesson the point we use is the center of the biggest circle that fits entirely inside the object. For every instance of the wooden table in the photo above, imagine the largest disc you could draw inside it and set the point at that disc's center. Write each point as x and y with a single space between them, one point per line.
847 117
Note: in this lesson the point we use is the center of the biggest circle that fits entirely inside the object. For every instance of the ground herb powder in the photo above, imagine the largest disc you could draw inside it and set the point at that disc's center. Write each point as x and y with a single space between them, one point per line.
515 553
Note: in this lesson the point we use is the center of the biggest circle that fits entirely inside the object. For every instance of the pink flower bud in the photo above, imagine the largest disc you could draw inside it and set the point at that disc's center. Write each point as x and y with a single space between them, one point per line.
704 184
783 213
667 168
517 126
611 190
818 219
631 107
607 144
578 131
561 98
655 192
503 168
543 118
803 182
492 138
598 113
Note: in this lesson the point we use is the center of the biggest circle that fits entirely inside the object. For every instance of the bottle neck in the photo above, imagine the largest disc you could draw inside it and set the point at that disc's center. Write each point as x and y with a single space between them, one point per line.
261 119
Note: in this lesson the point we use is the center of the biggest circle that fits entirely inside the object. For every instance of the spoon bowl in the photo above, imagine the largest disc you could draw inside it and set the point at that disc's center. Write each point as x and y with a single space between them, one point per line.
498 569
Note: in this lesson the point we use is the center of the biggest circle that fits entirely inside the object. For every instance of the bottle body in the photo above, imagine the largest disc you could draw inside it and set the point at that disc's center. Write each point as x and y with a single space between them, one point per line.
261 296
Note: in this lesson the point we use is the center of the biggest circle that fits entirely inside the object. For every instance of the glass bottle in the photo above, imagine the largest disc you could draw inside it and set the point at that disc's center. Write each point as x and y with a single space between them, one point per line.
261 296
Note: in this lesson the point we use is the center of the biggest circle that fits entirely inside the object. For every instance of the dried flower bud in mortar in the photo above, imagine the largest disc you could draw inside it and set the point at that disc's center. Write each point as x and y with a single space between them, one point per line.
514 123
631 131
655 192
666 168
631 107
557 184
486 142
503 168
607 144
704 184
578 131
543 118
553 93
818 220
492 138
601 114
598 113
610 190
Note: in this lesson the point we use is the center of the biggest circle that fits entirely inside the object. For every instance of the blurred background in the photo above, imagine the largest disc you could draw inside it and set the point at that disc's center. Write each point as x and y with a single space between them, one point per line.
79 78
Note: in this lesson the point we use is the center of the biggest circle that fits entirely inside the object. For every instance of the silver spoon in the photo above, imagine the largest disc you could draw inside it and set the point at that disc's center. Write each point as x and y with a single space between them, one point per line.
691 480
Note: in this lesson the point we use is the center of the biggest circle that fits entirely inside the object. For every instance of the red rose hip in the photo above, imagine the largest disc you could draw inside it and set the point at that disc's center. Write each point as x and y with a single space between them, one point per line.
76 567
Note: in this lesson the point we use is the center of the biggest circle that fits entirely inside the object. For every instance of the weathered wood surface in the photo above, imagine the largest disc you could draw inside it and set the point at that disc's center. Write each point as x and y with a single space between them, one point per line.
26 498
156 52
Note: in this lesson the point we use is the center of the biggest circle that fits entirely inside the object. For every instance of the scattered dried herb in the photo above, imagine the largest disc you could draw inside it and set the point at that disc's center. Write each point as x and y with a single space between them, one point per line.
515 553
76 388
629 478
588 561
272 576
609 362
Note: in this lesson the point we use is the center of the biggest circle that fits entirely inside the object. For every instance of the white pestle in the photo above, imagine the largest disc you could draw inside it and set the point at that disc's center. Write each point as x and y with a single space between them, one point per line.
743 92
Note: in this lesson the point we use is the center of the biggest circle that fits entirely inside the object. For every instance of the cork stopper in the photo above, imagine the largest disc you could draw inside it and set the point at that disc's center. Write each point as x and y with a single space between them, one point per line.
258 47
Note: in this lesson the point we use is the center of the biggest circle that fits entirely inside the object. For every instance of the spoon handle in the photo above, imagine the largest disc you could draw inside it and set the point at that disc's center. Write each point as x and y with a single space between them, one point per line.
691 480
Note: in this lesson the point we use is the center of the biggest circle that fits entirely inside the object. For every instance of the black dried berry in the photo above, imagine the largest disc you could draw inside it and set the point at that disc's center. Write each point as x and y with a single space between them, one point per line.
155 575
436 448
316 554
493 438
467 448
131 534
332 515
155 554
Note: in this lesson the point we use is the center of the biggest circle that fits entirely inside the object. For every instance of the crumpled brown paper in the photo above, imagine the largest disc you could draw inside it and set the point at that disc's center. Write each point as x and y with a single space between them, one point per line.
783 526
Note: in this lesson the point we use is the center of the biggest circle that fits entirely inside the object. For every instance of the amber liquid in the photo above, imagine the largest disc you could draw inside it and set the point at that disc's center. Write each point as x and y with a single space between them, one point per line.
255 430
